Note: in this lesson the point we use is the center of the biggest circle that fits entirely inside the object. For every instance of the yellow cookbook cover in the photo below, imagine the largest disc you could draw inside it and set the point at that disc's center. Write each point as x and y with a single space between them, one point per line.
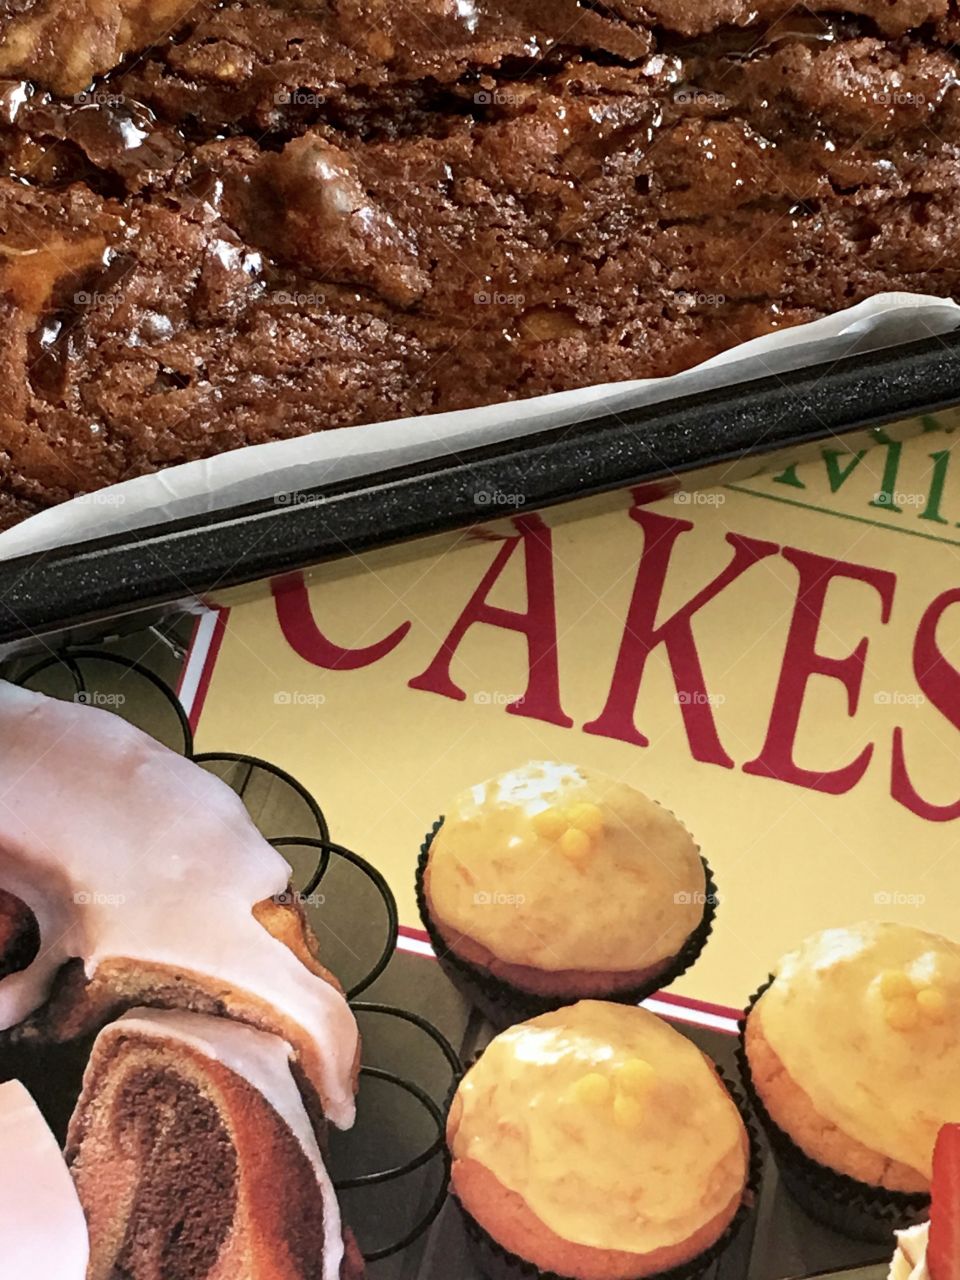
776 660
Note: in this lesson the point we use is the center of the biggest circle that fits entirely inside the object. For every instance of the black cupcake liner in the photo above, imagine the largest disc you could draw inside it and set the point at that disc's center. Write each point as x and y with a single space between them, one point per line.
504 1004
846 1205
498 1263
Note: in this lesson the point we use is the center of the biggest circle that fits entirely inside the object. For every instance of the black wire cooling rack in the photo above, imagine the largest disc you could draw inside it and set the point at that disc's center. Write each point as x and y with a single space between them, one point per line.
70 674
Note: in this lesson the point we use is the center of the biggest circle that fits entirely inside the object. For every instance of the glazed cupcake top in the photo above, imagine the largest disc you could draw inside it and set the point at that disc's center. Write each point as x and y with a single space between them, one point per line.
559 867
866 1021
613 1127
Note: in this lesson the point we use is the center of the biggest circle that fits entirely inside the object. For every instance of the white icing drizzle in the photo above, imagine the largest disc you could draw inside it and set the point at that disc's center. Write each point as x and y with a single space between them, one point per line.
264 1062
122 848
43 1233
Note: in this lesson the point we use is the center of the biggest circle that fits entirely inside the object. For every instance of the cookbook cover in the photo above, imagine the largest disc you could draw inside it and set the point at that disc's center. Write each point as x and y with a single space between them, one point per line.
775 661
549 802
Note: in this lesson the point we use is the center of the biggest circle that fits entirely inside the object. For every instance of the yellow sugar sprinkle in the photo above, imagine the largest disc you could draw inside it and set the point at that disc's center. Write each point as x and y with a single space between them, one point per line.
932 1003
550 824
895 983
903 1013
575 844
586 817
591 1090
627 1111
635 1077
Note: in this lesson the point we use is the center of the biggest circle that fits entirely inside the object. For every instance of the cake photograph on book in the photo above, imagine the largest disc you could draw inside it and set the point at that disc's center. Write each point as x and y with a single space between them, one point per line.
598 1143
551 883
854 1115
141 903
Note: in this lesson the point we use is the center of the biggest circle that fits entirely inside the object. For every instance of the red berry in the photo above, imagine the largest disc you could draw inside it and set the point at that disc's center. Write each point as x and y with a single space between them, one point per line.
943 1252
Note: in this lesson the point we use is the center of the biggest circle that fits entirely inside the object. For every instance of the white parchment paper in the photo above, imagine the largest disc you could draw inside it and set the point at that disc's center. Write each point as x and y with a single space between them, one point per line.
289 466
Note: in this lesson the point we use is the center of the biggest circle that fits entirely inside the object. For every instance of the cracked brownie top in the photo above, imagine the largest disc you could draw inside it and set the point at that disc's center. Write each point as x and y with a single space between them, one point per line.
220 226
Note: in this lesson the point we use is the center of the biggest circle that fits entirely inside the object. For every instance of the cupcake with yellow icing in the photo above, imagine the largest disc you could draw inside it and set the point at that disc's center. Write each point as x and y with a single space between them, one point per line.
552 883
595 1142
852 1055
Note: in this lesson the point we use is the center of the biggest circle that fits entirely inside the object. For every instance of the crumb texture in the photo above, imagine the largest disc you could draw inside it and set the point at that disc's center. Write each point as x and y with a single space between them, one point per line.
195 1158
222 227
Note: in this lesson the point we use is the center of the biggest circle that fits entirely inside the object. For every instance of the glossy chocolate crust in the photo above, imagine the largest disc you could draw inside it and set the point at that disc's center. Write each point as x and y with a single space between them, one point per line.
219 228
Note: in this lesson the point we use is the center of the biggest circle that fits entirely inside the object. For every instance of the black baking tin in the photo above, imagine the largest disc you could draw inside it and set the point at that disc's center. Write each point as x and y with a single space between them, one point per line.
182 560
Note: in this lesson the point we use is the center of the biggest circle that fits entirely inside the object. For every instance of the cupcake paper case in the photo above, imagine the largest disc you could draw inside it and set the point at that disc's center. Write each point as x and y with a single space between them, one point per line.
583 925
675 1097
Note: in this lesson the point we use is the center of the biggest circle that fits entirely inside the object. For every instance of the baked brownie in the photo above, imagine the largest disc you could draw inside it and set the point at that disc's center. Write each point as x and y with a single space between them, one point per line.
224 227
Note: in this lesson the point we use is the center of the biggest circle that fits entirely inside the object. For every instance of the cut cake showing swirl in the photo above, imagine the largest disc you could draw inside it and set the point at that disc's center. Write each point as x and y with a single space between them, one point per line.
197 1158
150 885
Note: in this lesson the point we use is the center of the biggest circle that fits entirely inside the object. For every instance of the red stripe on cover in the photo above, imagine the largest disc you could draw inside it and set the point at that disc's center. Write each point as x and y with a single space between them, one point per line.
206 673
188 655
